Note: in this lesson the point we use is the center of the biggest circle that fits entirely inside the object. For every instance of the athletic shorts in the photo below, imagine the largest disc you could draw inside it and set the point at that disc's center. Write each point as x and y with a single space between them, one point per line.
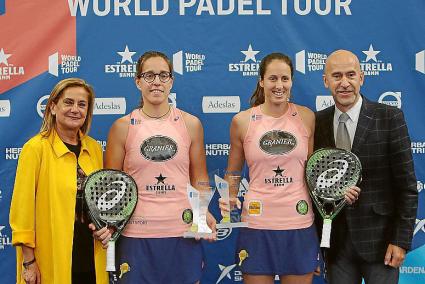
158 260
278 252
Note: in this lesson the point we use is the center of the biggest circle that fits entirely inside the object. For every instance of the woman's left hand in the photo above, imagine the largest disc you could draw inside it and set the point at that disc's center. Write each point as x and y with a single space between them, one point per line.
103 235
31 274
211 222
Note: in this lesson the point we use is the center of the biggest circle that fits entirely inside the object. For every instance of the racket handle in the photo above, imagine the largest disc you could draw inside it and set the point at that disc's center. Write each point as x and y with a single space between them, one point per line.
110 256
326 233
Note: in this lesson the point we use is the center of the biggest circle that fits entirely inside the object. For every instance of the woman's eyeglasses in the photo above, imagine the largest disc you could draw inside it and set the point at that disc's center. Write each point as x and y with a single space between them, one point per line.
149 77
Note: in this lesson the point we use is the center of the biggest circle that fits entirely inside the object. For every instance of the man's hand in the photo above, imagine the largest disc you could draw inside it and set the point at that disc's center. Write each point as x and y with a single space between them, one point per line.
352 194
103 235
395 256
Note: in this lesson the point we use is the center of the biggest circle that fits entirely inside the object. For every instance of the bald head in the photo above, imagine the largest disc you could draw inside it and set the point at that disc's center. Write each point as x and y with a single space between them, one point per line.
343 78
341 57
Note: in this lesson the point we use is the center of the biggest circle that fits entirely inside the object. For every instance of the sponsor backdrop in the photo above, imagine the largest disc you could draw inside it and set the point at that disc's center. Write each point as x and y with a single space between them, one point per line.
216 47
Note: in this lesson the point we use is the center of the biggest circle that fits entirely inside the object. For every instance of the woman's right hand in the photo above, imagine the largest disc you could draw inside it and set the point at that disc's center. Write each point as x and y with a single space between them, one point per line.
224 206
31 274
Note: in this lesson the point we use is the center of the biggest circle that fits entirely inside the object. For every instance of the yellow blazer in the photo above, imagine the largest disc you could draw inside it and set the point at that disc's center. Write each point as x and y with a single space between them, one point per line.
42 212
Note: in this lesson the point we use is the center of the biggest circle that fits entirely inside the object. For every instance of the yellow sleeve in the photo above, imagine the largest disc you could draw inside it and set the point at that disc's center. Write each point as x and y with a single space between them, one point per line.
22 209
99 155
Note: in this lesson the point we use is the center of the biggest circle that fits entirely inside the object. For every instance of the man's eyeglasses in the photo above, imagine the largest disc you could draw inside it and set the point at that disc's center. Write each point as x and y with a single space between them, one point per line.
149 77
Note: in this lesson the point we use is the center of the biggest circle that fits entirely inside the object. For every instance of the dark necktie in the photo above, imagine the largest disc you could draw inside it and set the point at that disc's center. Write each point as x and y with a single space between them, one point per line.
342 137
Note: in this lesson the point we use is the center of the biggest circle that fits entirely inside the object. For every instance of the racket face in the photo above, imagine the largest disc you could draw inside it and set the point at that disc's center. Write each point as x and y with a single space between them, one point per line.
330 172
111 197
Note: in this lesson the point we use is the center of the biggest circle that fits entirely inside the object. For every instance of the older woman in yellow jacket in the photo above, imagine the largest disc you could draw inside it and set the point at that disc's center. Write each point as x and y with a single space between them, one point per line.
50 227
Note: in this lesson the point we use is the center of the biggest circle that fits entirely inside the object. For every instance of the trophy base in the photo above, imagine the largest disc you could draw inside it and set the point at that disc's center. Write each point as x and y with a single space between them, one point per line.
232 225
192 235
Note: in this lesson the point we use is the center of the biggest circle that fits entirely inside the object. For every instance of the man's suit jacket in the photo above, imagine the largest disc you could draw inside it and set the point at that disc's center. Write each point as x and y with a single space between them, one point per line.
386 210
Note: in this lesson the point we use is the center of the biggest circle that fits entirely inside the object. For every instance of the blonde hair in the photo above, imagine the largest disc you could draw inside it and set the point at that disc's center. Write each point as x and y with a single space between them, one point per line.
49 120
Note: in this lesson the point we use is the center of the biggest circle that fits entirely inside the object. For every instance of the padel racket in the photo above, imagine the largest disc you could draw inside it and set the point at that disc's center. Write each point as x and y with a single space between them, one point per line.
329 173
111 197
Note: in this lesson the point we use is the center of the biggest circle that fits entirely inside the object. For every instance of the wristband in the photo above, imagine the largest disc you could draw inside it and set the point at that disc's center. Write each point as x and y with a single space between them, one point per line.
28 263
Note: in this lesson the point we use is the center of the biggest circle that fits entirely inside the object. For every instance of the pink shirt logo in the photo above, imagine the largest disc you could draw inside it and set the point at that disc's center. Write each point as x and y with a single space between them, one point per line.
277 142
158 148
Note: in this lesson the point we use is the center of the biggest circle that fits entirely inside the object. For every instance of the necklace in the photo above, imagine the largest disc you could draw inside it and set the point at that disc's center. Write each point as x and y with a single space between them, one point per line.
156 117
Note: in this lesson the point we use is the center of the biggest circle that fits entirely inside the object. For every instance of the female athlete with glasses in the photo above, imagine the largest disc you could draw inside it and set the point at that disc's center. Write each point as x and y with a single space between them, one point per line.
162 148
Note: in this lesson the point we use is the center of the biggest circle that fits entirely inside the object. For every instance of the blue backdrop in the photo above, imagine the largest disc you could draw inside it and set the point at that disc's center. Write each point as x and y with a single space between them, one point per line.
216 46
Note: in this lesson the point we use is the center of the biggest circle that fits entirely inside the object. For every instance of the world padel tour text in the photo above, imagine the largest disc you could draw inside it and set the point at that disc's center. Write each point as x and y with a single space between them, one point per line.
209 7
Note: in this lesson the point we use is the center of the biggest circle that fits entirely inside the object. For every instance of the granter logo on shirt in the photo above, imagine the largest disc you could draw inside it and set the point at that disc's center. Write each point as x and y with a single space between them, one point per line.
158 148
277 142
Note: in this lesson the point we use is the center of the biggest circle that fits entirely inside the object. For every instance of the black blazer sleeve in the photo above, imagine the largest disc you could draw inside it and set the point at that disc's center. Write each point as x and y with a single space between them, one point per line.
404 182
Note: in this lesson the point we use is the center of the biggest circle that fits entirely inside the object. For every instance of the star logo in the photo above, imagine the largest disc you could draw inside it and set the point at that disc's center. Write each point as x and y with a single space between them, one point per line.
250 54
225 272
126 55
160 179
4 57
278 171
420 226
371 54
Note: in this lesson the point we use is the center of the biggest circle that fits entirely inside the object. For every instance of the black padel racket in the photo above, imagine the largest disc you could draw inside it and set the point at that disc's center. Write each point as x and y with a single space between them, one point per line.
111 197
329 173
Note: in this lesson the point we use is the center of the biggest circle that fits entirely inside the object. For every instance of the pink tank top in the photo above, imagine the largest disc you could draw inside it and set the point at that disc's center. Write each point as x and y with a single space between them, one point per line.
276 151
157 157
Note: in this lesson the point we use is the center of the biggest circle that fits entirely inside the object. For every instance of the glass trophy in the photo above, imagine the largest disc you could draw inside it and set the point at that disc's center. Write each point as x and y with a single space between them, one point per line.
231 218
199 201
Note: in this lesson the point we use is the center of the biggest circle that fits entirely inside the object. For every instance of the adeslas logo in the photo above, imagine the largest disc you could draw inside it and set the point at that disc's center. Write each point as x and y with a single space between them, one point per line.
222 104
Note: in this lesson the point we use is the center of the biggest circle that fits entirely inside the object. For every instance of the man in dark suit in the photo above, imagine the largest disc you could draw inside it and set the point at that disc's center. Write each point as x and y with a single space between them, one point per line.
370 237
